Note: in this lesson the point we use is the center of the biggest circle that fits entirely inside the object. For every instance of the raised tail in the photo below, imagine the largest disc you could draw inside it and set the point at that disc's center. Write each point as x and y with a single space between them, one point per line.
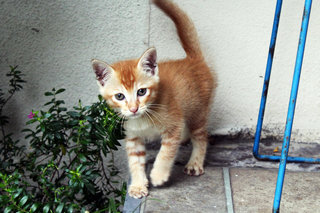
185 28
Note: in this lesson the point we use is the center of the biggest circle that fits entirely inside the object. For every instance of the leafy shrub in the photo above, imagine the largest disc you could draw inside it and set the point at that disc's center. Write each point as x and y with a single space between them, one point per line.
65 169
9 148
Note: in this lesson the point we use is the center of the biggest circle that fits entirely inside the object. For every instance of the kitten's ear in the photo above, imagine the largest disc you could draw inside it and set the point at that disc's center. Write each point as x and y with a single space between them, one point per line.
102 70
148 62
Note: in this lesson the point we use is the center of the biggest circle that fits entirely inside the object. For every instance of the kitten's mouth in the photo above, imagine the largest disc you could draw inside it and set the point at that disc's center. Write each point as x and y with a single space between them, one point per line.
136 115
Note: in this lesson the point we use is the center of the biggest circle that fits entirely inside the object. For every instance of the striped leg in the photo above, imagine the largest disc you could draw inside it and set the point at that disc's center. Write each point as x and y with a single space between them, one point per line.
199 143
137 158
165 158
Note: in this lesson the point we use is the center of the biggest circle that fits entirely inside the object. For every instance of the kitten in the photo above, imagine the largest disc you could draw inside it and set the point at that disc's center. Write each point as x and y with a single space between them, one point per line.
166 99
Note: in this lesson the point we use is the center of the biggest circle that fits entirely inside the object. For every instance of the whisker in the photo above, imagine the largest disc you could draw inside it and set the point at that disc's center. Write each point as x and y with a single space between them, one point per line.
115 119
157 106
155 114
122 123
147 113
145 108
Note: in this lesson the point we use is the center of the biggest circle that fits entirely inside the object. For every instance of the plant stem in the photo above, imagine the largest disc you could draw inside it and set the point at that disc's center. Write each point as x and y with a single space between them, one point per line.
55 171
104 172
2 126
62 174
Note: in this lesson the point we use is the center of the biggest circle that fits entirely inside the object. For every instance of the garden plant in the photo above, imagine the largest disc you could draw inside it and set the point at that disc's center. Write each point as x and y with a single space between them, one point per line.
65 162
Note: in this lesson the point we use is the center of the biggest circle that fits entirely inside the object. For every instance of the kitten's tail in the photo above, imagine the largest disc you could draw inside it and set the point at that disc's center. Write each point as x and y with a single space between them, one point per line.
185 28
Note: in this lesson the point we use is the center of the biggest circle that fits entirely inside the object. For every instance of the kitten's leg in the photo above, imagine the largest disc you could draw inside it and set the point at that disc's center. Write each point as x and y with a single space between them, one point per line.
137 158
199 140
165 158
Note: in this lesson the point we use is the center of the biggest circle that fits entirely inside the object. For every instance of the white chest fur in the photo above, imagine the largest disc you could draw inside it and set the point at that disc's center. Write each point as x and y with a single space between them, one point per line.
142 128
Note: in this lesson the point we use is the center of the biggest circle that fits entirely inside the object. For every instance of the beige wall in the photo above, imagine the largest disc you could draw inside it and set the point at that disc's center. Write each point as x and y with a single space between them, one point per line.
53 42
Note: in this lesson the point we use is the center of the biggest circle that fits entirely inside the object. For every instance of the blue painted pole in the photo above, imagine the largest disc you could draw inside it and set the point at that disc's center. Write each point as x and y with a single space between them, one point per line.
292 104
267 78
289 159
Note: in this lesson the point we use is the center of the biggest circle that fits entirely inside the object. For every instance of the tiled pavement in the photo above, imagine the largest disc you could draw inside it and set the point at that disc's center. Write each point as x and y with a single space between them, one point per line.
235 181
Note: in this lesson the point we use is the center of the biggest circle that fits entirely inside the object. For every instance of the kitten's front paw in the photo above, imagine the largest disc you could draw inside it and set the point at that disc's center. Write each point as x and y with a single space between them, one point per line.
193 169
137 191
158 178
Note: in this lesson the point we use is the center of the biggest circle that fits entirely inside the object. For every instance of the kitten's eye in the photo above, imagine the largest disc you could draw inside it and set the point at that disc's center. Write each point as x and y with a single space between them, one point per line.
142 92
119 96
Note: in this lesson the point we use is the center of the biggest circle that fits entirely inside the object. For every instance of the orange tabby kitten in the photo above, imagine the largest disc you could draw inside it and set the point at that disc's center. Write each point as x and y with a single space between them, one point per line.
170 99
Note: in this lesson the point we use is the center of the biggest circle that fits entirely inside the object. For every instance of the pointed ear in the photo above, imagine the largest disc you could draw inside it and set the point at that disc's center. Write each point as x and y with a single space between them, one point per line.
148 62
102 70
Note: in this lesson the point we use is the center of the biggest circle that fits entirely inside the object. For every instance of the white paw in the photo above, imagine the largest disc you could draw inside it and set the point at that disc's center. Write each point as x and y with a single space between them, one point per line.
193 169
137 191
159 178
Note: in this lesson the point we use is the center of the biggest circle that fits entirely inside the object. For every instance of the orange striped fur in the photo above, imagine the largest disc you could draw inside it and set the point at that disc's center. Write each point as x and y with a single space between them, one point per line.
170 99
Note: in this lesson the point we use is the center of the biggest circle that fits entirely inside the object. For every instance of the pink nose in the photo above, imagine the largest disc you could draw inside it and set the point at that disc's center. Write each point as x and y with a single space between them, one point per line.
133 109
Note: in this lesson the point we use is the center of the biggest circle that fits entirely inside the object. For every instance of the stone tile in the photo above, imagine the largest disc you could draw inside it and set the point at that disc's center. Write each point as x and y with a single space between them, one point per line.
184 193
253 191
229 152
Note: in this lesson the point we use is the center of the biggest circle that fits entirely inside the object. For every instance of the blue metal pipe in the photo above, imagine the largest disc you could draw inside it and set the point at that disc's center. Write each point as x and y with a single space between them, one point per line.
289 159
292 104
264 99
267 78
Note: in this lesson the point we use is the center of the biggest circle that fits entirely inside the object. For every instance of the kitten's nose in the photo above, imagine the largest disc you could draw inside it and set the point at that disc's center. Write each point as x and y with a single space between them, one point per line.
133 109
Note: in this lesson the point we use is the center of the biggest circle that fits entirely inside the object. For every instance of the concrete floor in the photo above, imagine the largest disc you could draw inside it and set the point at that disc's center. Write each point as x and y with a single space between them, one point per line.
235 181
253 190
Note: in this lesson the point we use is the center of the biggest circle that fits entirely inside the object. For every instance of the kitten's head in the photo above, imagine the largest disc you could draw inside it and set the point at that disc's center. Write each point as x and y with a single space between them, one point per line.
129 86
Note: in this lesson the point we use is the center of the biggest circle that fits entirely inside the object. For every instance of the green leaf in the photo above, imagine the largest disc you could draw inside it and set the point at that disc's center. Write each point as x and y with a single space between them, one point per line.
86 108
91 188
70 209
101 130
82 157
104 150
23 200
89 118
47 115
34 207
48 103
73 122
60 109
74 114
111 145
60 90
26 130
112 205
116 142
59 102
8 209
48 94
31 121
60 208
46 208
18 193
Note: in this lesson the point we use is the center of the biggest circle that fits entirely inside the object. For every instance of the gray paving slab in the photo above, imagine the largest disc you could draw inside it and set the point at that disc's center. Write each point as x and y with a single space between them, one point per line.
253 191
184 193
253 181
233 152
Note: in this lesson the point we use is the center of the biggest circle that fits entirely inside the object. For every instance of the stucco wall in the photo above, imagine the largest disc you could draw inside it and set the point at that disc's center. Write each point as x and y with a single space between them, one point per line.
53 42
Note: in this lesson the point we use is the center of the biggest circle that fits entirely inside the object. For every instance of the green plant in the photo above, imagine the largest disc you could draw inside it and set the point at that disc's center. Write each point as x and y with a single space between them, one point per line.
9 148
70 167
